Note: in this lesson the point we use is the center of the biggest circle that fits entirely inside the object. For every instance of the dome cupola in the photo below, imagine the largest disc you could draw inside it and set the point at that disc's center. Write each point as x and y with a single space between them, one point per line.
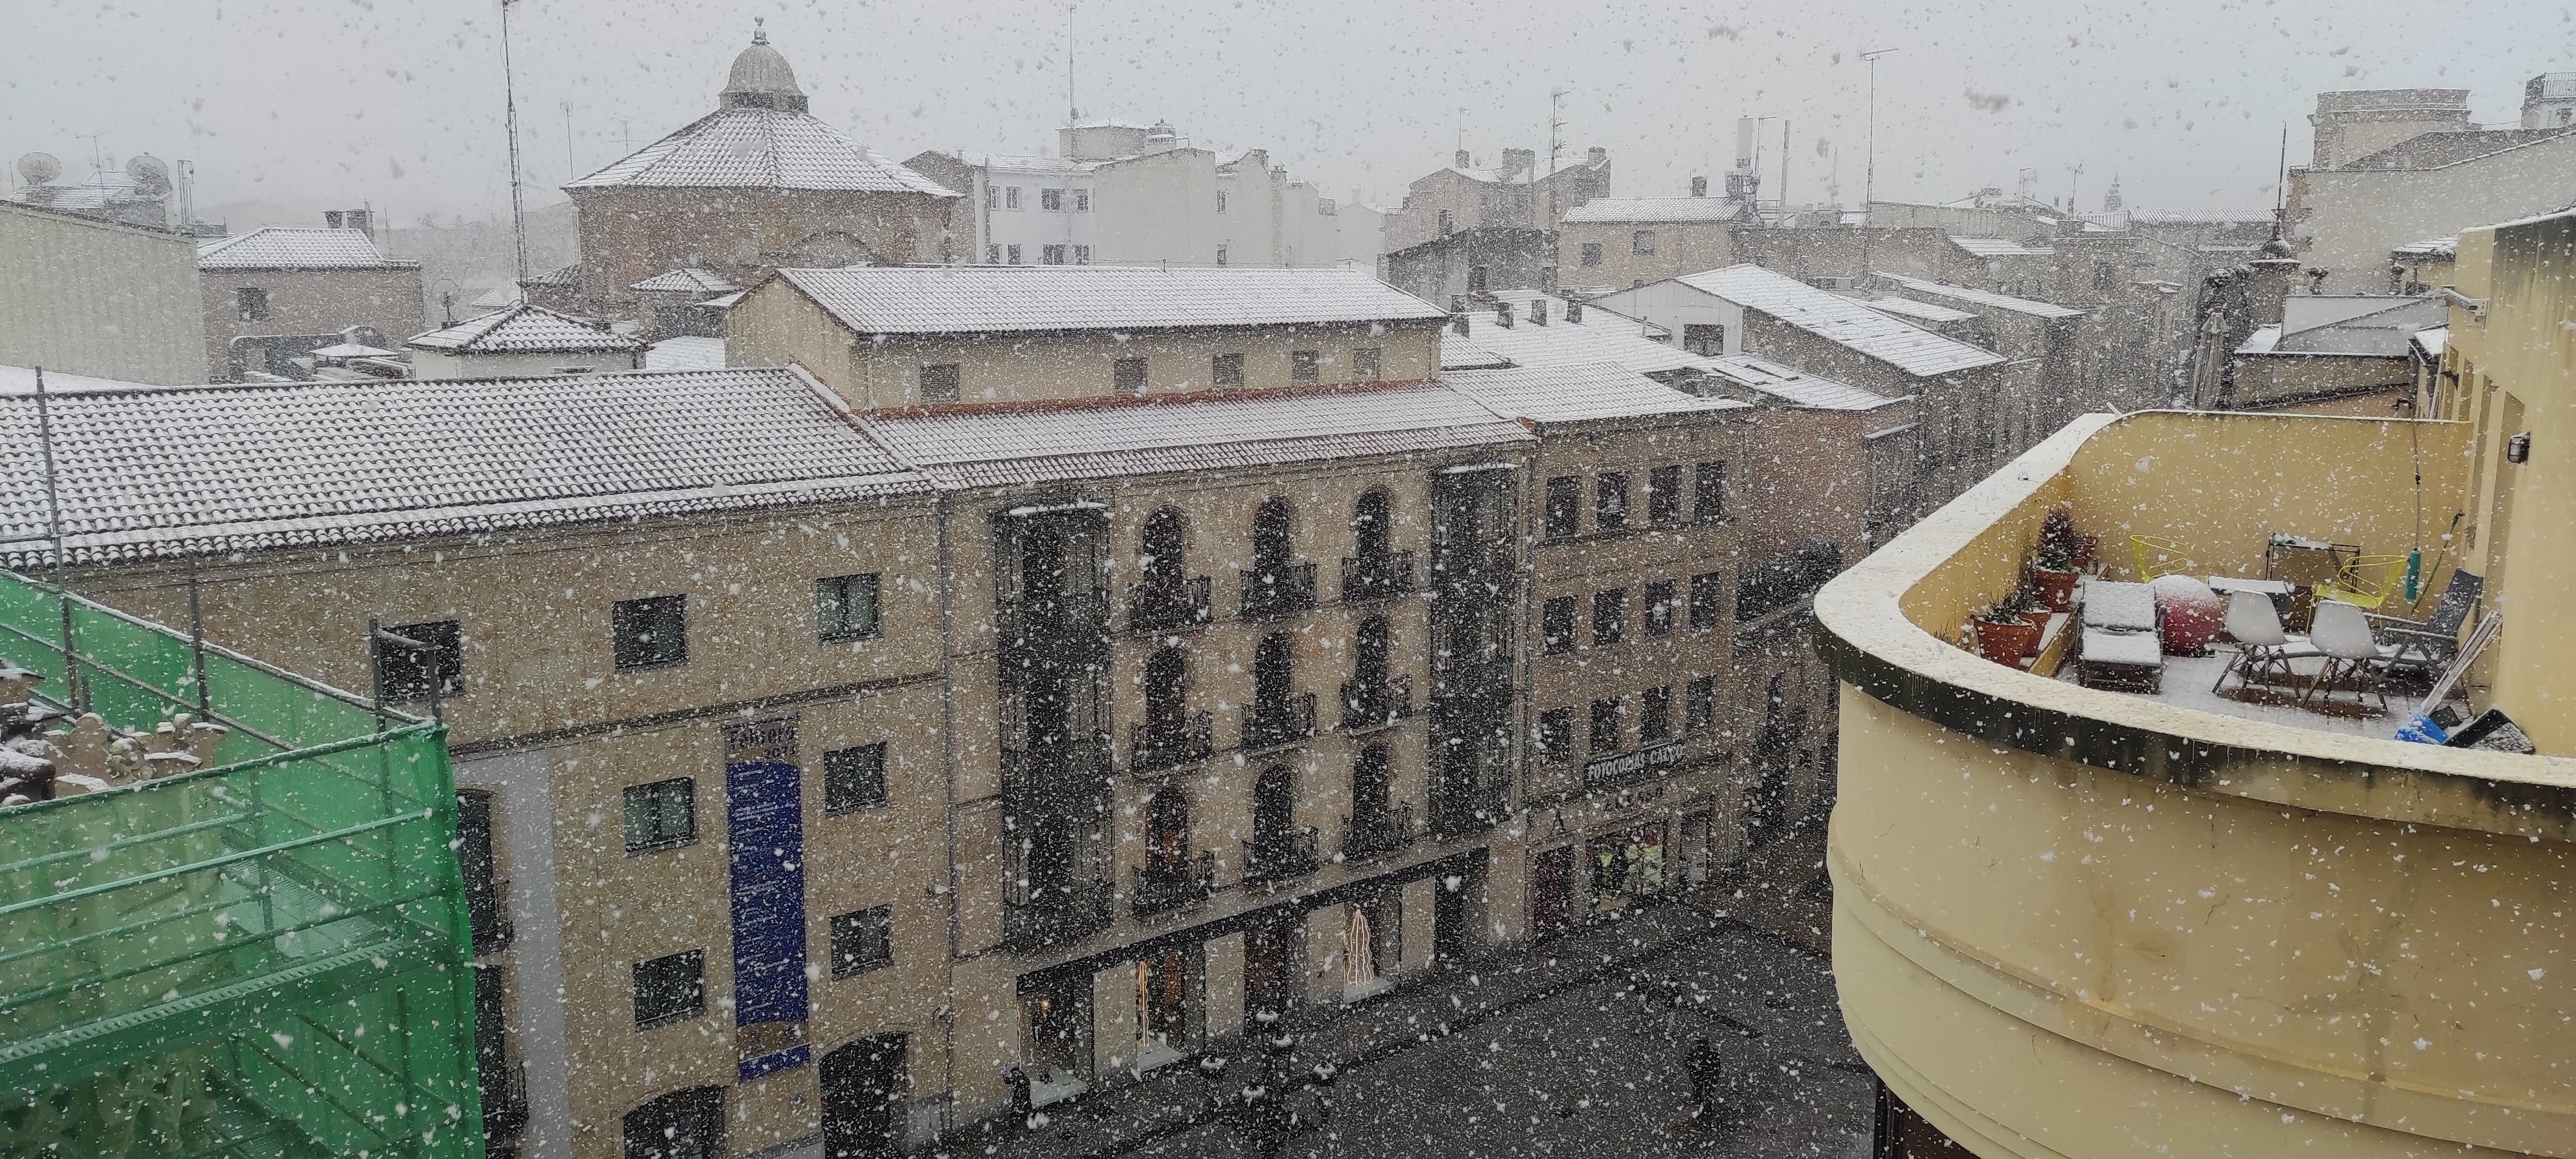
761 79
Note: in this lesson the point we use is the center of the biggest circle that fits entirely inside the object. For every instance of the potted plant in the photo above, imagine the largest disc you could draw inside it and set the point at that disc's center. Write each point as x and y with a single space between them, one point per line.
2052 575
2057 534
2004 634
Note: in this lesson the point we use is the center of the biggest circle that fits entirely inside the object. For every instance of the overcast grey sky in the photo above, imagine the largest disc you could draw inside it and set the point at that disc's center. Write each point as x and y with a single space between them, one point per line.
398 102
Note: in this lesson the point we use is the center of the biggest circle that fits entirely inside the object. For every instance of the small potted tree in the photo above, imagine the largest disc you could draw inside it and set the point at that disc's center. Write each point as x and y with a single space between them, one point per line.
2004 633
2052 576
2057 533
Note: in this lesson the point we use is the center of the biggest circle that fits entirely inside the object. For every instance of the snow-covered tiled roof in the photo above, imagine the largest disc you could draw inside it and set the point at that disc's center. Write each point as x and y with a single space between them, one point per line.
1984 298
2446 246
2198 216
159 471
1995 247
686 352
1913 311
1840 320
689 280
1104 438
753 148
1651 210
525 329
1580 393
991 299
1600 337
568 277
1795 387
281 248
1023 163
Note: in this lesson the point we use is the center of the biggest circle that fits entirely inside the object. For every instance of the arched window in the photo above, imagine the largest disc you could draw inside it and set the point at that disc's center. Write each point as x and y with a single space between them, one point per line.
1372 526
1167 830
1274 671
1274 525
1370 651
1160 550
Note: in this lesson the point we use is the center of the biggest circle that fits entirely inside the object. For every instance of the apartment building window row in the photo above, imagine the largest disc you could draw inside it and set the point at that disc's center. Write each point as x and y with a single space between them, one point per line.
1609 617
940 382
1051 200
1607 722
1562 514
845 606
651 632
1591 253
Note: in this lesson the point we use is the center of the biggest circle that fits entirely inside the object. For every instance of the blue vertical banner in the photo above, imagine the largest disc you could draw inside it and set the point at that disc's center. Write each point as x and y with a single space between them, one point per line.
764 818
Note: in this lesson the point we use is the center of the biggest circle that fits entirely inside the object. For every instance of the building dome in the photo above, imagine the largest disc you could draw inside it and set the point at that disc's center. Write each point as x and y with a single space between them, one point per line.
761 79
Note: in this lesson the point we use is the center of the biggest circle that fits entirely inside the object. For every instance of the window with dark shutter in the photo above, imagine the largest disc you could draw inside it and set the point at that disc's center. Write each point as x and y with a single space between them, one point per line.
652 632
669 989
862 940
854 778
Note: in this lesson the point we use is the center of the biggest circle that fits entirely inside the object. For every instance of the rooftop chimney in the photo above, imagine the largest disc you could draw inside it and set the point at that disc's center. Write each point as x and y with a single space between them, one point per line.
1517 162
362 221
1503 315
331 219
1463 161
1574 311
1699 186
1596 154
1458 322
1538 311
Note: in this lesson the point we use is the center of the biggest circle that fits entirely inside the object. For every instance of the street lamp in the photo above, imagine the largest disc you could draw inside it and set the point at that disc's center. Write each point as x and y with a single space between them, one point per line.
1869 179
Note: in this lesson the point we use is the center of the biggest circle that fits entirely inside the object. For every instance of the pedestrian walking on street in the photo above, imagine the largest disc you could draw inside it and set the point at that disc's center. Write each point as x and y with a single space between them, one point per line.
1706 1078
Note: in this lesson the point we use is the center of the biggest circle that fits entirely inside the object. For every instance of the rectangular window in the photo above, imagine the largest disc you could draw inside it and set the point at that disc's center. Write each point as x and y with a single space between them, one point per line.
1706 339
1013 252
1609 617
1082 201
1050 255
992 197
1082 255
1305 367
251 304
670 989
661 815
1364 364
1127 375
1701 710
1228 371
1564 507
1556 735
1707 599
1660 609
1655 716
939 383
1051 200
1556 625
1664 495
862 941
1011 199
1642 242
1220 201
992 255
1605 727
1610 502
1591 253
1709 502
409 675
845 606
1220 255
854 778
1448 223
652 632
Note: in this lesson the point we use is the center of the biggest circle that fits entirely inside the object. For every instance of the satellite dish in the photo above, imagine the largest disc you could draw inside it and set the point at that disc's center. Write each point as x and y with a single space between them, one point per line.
38 168
149 174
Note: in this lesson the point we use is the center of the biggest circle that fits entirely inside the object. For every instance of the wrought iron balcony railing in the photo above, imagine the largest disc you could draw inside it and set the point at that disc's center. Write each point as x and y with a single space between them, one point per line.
1278 591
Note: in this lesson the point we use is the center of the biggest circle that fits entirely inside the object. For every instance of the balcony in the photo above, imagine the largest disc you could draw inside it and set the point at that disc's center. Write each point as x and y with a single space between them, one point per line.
1036 915
1271 723
1368 704
1367 578
1057 772
1071 629
1167 607
1280 857
1166 885
1153 747
1378 833
2054 904
1281 591
1478 569
487 914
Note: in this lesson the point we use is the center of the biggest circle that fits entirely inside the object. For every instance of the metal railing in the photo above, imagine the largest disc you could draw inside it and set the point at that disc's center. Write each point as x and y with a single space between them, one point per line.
1378 832
1278 591
1069 629
505 1100
1270 723
1280 856
487 914
1163 885
1469 808
1154 746
1378 703
1376 577
1167 607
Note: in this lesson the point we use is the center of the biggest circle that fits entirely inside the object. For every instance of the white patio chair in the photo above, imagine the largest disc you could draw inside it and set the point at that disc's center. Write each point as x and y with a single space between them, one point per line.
2342 634
2260 641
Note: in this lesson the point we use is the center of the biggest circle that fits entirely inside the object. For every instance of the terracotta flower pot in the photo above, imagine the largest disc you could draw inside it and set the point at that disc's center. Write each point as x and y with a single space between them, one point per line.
2006 643
2056 588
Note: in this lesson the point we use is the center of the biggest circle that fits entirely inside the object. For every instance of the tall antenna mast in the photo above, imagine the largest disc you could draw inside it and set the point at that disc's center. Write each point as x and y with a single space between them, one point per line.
1072 108
1555 145
1869 176
510 117
1784 167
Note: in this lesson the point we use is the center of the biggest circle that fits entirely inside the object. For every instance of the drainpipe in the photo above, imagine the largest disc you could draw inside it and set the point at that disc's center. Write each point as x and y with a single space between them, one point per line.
941 511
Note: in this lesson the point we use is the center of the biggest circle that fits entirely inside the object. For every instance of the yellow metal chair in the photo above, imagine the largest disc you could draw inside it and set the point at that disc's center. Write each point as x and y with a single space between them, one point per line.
2157 556
2366 582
